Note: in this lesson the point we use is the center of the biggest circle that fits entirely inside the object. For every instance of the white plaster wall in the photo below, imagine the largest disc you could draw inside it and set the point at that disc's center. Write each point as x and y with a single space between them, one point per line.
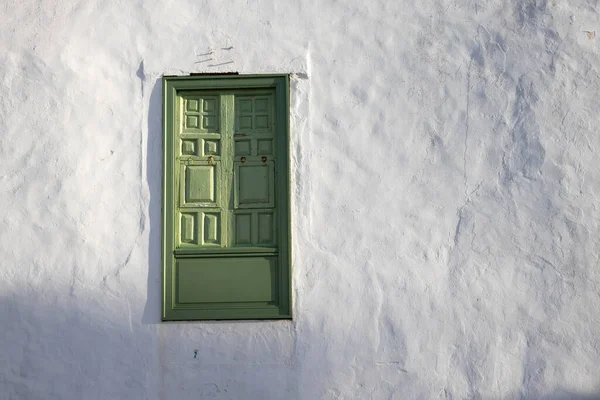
445 200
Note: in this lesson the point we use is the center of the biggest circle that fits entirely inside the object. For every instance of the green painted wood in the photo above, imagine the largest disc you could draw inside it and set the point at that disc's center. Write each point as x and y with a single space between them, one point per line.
216 252
211 280
254 184
226 216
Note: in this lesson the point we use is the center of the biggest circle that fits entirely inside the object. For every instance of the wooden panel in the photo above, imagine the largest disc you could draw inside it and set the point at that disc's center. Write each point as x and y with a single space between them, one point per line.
266 228
188 228
211 147
210 122
200 228
198 185
244 106
243 229
192 122
189 147
265 147
200 113
211 234
254 184
191 105
261 105
254 114
224 280
261 122
242 147
209 105
254 228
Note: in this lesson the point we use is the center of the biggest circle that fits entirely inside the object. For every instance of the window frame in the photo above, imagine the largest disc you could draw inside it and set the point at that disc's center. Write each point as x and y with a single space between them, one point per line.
280 83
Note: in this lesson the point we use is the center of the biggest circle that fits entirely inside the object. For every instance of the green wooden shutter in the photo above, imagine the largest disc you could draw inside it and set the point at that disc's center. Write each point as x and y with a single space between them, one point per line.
226 239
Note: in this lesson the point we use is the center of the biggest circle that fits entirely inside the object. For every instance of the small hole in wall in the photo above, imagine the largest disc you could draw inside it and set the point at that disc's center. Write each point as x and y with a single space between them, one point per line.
196 353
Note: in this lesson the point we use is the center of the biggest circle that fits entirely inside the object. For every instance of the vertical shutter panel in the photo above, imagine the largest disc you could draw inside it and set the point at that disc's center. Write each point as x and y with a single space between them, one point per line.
200 220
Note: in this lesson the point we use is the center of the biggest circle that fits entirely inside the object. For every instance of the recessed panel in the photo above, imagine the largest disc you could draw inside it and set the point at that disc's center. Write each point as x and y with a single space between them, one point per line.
244 106
210 122
191 105
261 105
199 183
254 185
253 113
261 122
242 147
244 123
226 280
211 147
243 229
209 106
201 113
188 228
188 147
266 228
191 121
211 229
265 147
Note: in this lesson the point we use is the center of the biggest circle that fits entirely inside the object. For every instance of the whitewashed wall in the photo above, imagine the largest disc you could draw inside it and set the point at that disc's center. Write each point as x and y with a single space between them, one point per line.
445 200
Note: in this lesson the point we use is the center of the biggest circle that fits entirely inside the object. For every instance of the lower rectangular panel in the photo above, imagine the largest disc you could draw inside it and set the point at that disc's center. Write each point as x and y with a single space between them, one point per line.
226 287
226 280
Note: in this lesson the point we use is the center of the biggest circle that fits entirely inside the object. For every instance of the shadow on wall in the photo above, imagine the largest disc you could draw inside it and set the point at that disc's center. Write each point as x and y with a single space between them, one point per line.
152 310
59 347
71 350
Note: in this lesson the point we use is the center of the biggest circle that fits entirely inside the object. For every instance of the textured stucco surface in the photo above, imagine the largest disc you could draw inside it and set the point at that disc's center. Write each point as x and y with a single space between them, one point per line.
445 200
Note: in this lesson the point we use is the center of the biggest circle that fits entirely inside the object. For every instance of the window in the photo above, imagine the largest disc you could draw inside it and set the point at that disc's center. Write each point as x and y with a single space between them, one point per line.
226 211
